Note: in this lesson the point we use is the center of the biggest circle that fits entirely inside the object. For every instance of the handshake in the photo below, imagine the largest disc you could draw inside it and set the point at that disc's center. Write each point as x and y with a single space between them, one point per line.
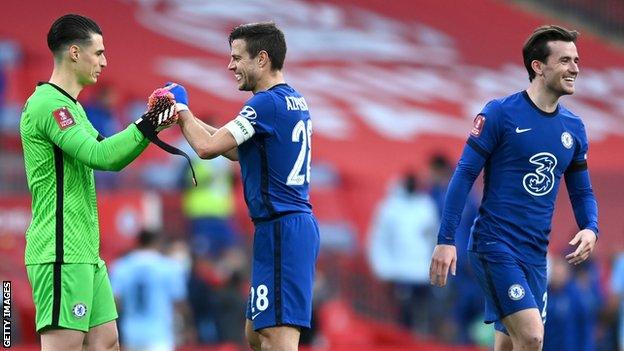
163 107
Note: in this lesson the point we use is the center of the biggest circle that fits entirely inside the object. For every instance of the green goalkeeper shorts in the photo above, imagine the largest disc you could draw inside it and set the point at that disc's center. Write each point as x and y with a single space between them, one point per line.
71 295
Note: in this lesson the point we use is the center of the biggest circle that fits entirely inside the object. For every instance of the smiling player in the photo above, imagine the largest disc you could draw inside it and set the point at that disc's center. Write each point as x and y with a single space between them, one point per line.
271 137
526 142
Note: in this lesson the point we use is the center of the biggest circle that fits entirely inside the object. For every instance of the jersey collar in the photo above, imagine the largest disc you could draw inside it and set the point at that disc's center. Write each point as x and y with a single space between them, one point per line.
59 89
542 112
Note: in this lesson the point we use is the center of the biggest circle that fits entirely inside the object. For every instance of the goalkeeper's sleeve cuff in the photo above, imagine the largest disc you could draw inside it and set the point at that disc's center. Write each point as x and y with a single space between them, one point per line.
145 127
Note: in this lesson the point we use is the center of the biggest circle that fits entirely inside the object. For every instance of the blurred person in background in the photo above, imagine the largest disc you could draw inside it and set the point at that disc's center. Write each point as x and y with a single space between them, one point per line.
209 206
563 330
10 56
617 289
151 292
70 286
526 142
217 292
465 298
401 240
272 138
586 277
201 299
100 112
575 300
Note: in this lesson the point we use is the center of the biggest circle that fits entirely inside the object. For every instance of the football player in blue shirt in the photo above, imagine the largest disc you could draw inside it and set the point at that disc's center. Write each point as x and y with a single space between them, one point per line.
525 142
271 137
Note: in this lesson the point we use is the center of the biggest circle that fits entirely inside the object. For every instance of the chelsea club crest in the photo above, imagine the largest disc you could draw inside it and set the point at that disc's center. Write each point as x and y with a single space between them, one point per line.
79 310
566 140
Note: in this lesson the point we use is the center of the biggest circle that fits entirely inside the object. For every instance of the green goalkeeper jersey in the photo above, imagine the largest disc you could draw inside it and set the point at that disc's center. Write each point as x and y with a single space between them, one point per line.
61 149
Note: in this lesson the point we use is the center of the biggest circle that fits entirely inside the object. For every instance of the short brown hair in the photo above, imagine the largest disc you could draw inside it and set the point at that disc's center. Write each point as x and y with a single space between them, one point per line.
262 36
536 46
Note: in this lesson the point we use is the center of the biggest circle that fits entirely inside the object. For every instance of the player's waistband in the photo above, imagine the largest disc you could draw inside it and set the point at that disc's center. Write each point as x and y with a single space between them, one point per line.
275 216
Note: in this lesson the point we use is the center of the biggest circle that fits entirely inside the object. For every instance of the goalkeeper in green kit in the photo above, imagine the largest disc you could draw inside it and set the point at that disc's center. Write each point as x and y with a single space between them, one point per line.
70 285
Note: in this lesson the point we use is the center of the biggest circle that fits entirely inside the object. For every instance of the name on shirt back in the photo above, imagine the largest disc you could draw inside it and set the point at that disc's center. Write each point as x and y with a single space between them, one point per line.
295 103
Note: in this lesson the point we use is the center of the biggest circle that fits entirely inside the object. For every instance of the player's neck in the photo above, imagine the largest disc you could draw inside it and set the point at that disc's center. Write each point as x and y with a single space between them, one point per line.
269 80
66 80
542 97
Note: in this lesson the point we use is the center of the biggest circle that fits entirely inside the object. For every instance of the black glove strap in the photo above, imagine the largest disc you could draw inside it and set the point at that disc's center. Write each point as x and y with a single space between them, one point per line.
150 134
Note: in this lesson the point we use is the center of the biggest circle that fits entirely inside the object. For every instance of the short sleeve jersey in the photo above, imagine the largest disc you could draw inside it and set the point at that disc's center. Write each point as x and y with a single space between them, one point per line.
275 162
64 226
527 151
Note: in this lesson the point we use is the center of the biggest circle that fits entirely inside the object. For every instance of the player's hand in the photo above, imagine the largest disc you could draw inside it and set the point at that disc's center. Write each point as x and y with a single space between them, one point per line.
443 258
180 94
161 113
586 241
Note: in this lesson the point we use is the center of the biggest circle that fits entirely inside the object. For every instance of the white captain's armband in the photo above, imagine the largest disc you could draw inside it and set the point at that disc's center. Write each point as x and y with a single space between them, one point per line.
241 129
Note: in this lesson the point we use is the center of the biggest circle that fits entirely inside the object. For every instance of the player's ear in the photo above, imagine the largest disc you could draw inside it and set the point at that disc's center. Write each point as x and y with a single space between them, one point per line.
537 66
263 58
73 52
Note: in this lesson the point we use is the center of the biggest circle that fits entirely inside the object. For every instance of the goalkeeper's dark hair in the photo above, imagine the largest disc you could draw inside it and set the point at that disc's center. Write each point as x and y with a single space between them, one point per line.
262 36
536 46
71 29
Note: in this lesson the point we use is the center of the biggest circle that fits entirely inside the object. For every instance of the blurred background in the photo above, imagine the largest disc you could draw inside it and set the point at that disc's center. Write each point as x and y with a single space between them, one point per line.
393 87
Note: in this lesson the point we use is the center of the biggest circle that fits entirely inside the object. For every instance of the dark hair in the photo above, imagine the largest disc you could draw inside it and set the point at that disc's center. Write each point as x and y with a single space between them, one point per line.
262 36
410 182
70 29
147 238
536 46
439 162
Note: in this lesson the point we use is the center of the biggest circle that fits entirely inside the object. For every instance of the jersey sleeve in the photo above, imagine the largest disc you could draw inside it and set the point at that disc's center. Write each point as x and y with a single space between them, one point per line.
76 139
468 168
579 160
260 112
579 186
487 129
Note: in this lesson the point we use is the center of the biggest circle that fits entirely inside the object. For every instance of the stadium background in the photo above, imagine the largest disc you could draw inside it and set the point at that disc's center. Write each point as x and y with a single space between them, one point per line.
389 84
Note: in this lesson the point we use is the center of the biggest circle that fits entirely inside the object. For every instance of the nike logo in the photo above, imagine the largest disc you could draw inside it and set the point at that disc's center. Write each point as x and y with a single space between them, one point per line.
255 315
518 130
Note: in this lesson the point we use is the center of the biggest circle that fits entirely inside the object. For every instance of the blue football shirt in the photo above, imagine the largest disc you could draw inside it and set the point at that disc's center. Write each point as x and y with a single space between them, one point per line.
275 162
527 151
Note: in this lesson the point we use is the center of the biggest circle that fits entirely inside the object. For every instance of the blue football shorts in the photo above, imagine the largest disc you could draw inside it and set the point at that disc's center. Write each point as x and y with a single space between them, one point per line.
283 266
509 285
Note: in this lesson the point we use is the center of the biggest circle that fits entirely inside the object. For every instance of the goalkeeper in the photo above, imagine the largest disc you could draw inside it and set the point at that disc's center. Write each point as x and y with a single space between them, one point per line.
70 286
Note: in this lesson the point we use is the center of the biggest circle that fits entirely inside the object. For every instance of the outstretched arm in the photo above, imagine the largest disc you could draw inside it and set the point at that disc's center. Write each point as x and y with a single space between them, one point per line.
231 154
206 140
114 153
205 144
110 154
